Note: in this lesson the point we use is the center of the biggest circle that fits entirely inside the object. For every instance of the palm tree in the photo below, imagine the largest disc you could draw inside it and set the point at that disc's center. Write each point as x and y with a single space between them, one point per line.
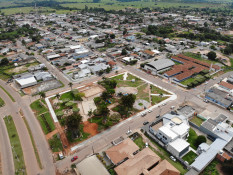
70 84
58 96
42 94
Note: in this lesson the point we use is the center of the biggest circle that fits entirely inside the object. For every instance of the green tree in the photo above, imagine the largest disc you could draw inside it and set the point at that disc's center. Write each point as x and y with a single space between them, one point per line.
128 100
125 31
4 61
200 139
124 52
42 94
212 55
71 85
112 36
73 124
58 96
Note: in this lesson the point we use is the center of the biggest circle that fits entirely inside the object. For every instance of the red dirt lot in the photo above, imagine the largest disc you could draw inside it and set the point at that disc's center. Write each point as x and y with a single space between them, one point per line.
91 128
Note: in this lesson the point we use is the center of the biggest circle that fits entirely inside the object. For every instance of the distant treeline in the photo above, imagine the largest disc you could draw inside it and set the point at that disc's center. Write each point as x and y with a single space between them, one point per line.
127 0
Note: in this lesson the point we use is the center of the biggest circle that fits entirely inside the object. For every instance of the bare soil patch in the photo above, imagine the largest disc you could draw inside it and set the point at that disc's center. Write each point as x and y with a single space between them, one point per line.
91 128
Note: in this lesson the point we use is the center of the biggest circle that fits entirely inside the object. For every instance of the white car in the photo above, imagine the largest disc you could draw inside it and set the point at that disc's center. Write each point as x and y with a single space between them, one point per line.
173 158
149 111
164 104
146 144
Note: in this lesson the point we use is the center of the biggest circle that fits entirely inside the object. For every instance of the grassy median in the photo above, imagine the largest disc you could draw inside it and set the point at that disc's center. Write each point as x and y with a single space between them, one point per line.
17 151
33 143
7 93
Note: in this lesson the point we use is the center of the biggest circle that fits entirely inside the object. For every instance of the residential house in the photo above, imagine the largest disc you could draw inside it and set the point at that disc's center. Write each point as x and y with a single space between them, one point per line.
121 152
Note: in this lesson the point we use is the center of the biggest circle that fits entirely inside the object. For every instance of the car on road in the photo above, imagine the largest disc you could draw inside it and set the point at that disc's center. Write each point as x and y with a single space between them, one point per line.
146 144
74 158
157 116
164 104
128 132
145 123
173 158
205 100
149 111
143 114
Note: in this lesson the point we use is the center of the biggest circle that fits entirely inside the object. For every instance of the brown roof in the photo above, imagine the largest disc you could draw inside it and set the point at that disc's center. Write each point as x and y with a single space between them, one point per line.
121 151
112 63
225 84
139 163
149 52
184 75
164 168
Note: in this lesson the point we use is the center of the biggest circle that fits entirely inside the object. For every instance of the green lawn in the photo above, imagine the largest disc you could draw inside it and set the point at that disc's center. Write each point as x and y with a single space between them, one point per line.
38 108
157 99
128 82
2 103
156 90
192 138
190 157
163 154
139 141
142 94
67 95
46 123
16 146
198 121
55 144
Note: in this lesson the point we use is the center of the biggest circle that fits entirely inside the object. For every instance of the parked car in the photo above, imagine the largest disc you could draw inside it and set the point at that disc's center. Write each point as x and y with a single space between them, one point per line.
143 114
145 123
74 158
149 111
146 144
164 104
157 116
173 158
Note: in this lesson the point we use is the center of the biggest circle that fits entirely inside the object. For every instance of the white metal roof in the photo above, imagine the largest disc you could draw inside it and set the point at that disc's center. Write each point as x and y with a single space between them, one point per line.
26 81
179 144
168 132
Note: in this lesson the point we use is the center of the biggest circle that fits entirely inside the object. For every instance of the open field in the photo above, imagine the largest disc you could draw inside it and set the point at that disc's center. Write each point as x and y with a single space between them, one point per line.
16 146
11 8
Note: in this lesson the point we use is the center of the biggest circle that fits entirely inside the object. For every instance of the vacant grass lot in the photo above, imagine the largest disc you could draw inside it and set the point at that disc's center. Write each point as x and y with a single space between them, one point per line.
16 146
143 93
198 121
139 141
190 157
156 90
157 99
